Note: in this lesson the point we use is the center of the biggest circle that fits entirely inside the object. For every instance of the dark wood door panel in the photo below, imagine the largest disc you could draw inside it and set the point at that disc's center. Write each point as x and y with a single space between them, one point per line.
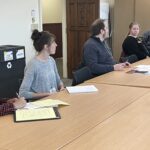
80 14
72 17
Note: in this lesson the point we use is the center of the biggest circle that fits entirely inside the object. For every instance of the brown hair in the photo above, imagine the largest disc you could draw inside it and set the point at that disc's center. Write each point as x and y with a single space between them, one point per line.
96 26
42 38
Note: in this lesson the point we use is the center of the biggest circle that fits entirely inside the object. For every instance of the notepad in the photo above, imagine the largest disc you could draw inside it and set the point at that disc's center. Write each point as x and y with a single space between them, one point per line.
82 89
22 115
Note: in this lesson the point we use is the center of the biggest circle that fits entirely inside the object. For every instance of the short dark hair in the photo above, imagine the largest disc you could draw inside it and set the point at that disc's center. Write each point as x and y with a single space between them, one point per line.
42 38
96 26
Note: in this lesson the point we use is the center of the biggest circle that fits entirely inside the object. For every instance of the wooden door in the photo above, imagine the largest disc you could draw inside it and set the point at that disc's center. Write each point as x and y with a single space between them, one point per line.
80 15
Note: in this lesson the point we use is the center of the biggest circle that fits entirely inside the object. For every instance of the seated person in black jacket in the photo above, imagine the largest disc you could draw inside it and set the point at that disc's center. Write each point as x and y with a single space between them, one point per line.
96 55
132 44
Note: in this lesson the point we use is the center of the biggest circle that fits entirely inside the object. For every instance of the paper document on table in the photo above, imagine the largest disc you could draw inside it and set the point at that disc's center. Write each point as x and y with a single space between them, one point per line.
36 114
30 106
82 89
44 103
142 69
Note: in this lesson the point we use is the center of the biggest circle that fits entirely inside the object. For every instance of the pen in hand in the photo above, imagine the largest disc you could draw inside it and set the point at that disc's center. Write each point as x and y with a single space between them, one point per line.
17 95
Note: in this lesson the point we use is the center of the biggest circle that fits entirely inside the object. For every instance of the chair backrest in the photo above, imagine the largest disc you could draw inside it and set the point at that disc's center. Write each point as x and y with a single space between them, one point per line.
81 75
146 40
131 59
121 56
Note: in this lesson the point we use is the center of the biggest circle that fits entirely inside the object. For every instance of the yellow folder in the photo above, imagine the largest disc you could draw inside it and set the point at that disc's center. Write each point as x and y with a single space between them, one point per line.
36 114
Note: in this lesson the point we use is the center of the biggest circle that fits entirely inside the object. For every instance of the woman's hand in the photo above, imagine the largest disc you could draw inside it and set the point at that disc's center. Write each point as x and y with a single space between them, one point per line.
18 102
61 87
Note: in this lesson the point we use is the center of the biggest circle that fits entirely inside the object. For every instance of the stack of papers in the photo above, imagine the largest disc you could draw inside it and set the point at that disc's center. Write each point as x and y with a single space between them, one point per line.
82 89
142 69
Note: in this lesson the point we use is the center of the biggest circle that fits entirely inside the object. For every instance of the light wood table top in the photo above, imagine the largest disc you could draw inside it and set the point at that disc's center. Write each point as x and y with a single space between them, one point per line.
129 129
85 112
124 78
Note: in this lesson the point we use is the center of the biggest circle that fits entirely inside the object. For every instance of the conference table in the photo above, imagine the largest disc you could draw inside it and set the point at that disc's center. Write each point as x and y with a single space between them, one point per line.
86 112
124 78
129 129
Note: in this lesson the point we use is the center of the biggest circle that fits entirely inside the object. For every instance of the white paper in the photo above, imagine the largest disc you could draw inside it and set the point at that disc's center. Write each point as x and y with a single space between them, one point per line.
31 106
20 54
146 67
8 56
143 68
82 89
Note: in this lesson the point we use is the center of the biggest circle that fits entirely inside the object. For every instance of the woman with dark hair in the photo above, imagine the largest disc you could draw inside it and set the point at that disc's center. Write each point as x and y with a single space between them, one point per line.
133 45
41 76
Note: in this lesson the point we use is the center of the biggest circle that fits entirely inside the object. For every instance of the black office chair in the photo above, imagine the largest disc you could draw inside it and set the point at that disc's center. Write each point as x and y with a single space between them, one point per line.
81 75
131 59
121 56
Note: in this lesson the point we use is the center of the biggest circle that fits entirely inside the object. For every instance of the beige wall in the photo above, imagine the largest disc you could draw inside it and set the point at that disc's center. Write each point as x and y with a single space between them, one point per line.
52 11
142 14
123 15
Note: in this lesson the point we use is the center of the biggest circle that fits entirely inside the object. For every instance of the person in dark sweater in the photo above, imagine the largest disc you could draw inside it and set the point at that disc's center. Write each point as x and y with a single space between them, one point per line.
96 54
9 106
132 44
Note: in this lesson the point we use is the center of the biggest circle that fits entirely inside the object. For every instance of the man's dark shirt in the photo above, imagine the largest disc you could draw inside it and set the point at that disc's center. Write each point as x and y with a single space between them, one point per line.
97 56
